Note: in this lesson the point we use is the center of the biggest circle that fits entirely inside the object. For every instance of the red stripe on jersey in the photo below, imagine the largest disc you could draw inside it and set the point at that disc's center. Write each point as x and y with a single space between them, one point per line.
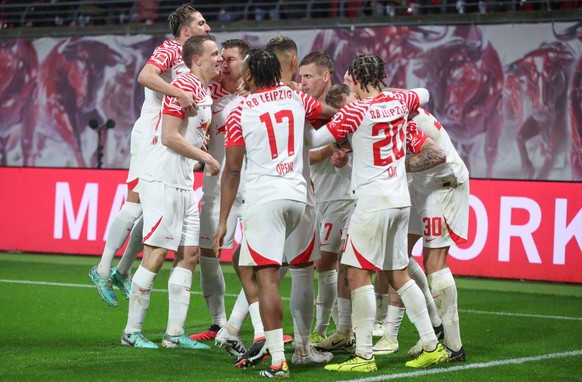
414 137
146 237
456 238
217 91
365 264
311 106
305 256
348 119
188 83
167 55
410 99
132 183
259 259
234 135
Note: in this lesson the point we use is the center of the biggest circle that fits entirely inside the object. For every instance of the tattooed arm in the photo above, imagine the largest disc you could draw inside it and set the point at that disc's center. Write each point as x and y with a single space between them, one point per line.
430 155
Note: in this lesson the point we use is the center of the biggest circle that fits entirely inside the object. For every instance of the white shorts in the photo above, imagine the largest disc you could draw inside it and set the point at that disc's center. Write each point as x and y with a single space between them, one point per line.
333 218
302 246
441 216
170 216
209 217
266 227
377 240
141 136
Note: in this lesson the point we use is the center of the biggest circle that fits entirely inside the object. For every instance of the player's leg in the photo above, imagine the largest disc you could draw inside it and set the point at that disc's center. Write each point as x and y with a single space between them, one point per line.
118 232
388 344
211 277
121 274
139 298
381 288
326 293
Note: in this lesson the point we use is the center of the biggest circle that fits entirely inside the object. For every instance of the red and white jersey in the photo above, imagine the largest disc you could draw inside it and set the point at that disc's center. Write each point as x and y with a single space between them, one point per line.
377 129
223 103
328 183
164 164
168 58
453 168
270 125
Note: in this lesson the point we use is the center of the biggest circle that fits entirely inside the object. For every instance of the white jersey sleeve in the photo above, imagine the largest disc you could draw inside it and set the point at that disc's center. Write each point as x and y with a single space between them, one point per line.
165 165
453 170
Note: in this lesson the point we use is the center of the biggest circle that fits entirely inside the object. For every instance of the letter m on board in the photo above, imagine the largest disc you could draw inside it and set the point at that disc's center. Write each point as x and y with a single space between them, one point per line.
87 210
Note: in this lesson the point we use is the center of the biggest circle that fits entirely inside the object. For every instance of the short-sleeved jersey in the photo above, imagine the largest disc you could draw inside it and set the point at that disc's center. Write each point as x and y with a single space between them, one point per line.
223 103
453 168
328 183
377 128
168 58
162 163
270 125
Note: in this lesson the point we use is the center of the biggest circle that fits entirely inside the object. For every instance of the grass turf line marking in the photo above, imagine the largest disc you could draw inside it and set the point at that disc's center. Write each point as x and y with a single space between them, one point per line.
30 282
483 365
520 315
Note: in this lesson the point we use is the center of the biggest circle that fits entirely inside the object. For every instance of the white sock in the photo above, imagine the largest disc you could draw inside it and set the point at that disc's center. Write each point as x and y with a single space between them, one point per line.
326 296
344 312
256 320
381 306
415 305
444 291
301 305
417 274
363 313
134 246
179 286
335 313
274 340
139 299
118 232
393 321
240 310
213 286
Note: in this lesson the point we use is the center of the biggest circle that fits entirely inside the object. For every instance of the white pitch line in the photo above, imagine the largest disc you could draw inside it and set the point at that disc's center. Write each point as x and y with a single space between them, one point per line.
47 283
520 315
483 365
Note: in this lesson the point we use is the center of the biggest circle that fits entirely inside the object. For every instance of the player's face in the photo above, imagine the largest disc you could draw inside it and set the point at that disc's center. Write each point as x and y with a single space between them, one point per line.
313 81
198 25
246 77
349 81
210 60
231 64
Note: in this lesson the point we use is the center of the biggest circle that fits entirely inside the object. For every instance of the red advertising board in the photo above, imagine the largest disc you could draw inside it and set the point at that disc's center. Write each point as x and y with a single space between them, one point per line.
519 230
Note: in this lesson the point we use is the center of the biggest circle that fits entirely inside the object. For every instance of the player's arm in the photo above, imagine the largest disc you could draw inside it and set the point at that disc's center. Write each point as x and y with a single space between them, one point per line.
318 155
429 156
229 183
150 78
172 139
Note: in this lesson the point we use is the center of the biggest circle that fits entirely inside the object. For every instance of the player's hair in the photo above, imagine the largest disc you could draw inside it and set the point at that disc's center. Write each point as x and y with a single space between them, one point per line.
368 69
279 44
242 45
194 46
264 68
180 17
319 59
337 95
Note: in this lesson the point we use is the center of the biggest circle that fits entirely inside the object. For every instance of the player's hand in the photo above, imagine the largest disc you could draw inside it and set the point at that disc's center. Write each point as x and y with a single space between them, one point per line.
205 142
241 91
212 167
295 86
219 239
339 158
187 103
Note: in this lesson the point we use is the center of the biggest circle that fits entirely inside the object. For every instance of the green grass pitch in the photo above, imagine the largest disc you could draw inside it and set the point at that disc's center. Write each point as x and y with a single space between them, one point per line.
53 326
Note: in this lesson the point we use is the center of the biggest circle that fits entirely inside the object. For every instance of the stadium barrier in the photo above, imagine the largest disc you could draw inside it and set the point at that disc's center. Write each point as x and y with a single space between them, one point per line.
518 229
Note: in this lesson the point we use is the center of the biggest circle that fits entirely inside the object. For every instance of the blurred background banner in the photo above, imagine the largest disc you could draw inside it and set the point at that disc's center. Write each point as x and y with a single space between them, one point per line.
518 229
510 95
